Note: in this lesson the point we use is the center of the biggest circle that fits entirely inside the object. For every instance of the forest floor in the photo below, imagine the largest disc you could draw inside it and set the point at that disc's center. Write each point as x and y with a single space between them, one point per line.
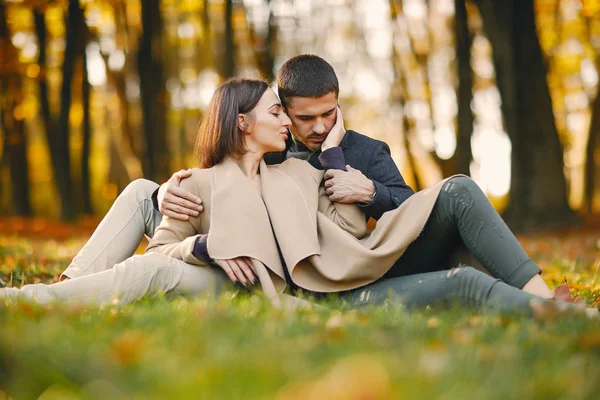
237 346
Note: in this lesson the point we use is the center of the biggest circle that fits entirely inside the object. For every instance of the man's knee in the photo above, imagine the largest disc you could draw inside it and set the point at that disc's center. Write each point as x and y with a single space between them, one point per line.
463 271
141 189
462 182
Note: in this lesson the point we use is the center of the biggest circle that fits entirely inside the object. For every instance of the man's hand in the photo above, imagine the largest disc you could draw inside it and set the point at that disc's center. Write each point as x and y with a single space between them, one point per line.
336 134
175 202
348 186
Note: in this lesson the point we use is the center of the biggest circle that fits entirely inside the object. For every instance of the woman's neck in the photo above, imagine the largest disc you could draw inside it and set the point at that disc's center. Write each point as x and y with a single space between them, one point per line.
249 163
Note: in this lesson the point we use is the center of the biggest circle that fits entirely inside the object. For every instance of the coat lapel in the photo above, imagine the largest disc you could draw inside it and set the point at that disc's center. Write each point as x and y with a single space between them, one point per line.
292 203
239 222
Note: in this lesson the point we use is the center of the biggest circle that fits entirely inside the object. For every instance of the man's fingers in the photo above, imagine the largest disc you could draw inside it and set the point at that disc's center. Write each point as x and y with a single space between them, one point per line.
330 173
328 183
181 210
184 194
175 177
174 215
184 173
191 208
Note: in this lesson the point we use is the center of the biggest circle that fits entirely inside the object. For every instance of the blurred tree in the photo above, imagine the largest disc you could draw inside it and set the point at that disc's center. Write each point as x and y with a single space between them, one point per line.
57 129
592 148
228 69
86 190
593 144
11 121
399 95
153 92
265 47
538 192
463 155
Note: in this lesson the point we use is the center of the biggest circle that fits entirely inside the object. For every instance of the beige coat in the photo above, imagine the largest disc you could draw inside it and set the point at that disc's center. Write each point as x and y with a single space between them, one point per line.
325 245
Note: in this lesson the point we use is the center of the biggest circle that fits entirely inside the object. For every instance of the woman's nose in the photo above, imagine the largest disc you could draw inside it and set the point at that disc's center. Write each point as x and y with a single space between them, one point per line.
286 120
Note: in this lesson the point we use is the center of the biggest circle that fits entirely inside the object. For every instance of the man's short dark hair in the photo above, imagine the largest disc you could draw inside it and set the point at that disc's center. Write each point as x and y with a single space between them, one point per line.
306 75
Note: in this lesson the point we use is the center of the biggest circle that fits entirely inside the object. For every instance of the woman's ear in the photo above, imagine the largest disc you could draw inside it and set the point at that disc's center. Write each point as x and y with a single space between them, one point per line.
244 123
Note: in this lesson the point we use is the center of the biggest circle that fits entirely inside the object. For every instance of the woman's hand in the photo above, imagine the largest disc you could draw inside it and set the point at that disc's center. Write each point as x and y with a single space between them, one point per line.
336 134
240 270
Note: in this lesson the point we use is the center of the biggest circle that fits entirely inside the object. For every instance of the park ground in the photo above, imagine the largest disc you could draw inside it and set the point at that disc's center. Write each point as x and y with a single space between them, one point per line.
237 346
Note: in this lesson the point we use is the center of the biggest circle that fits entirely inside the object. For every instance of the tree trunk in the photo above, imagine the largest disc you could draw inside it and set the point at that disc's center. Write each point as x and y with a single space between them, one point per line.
590 159
399 95
229 56
57 131
264 53
463 153
86 132
538 193
15 137
153 95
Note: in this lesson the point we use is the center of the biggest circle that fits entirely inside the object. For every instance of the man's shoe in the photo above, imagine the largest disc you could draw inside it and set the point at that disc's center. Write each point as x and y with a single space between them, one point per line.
562 293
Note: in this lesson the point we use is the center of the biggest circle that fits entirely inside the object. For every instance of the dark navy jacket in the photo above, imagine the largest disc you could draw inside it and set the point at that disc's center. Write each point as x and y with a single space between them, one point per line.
371 157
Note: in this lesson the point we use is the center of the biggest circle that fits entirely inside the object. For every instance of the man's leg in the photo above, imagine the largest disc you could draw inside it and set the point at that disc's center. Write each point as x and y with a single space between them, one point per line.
461 286
463 215
128 281
120 232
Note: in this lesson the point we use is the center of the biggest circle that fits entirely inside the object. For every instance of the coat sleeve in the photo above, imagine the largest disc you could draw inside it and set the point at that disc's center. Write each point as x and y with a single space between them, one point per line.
183 240
347 216
390 188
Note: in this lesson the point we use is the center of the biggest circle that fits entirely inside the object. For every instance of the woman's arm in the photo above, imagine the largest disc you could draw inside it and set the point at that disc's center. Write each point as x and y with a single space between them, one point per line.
184 240
346 216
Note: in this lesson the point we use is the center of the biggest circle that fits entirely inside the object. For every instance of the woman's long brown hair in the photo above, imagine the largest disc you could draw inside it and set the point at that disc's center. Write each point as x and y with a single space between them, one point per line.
219 134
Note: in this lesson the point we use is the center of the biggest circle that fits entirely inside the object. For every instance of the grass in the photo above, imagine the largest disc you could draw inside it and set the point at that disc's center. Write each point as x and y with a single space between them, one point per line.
237 346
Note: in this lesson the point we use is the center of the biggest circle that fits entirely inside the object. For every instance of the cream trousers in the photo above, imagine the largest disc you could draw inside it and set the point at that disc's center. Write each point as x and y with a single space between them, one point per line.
105 272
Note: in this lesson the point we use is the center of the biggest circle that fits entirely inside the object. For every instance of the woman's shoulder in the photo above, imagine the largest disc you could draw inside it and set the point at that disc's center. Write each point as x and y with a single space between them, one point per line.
200 178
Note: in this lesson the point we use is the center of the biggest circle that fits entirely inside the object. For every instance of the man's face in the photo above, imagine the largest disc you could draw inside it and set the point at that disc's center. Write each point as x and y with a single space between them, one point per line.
312 118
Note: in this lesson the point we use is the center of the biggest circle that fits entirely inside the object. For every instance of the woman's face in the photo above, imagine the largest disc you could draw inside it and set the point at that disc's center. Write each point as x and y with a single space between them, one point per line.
266 128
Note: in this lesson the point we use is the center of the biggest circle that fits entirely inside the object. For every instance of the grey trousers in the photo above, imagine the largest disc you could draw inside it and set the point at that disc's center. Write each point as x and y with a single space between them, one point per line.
106 271
462 216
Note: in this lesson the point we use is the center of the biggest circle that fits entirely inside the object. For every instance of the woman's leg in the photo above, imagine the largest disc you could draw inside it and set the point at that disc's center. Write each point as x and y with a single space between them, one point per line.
463 215
128 281
119 234
463 285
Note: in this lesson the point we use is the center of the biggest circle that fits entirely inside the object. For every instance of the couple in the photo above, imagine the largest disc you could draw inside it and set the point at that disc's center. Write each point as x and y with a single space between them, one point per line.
265 217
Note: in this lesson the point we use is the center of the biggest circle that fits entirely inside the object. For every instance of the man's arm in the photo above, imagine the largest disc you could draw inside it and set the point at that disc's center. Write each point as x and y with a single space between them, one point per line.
175 202
390 189
379 189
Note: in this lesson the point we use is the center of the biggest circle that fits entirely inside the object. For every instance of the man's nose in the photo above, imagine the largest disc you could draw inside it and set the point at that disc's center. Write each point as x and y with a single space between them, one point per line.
319 128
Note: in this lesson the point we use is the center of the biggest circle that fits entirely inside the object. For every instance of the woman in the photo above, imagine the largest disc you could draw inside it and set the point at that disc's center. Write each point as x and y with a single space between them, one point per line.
257 216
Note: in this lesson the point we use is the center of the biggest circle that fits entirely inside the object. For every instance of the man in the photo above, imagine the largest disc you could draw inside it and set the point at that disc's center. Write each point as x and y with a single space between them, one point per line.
309 89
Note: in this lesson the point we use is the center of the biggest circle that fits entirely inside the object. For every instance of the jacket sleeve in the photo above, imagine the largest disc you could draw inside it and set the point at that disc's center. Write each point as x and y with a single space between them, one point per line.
347 216
390 188
183 240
